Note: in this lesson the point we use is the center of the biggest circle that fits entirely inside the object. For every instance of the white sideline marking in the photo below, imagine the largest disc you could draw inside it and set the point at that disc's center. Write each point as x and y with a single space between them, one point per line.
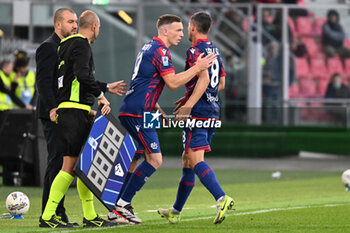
210 217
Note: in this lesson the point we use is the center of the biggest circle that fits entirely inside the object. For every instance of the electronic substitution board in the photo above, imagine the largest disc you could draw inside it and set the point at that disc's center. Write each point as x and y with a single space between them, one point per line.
105 159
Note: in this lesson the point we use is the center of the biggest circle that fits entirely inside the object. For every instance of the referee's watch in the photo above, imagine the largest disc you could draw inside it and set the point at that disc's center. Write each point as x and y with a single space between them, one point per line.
100 96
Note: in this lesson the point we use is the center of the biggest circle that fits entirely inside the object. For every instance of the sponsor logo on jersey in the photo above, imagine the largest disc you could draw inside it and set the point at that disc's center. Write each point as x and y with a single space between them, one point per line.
211 98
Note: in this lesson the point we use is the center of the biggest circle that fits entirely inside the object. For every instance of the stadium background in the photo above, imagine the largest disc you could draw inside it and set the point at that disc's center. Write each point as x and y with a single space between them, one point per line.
269 108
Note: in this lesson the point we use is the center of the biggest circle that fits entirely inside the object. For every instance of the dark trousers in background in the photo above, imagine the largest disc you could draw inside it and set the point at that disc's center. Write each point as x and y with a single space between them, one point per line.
331 51
54 162
2 116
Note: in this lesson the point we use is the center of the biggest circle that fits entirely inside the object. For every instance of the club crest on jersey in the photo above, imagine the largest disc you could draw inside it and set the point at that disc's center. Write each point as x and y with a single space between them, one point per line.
192 50
165 60
154 145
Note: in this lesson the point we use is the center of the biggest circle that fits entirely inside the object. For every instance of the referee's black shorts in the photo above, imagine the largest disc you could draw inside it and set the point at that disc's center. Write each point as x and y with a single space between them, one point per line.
73 126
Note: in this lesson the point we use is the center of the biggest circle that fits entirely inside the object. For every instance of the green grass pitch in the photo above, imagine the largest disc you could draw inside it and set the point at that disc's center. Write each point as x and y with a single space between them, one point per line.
301 201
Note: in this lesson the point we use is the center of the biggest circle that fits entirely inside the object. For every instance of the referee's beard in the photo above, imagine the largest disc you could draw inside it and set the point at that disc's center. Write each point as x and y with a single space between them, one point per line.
68 33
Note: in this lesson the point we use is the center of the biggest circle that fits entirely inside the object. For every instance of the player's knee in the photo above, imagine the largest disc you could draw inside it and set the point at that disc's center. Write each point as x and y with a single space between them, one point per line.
185 161
192 165
68 170
194 161
68 164
155 161
133 166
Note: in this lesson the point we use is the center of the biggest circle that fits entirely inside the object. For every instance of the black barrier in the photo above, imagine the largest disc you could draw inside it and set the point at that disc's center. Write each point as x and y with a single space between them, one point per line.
22 148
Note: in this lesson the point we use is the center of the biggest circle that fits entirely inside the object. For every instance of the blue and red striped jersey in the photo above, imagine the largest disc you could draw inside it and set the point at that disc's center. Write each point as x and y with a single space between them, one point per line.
208 106
152 62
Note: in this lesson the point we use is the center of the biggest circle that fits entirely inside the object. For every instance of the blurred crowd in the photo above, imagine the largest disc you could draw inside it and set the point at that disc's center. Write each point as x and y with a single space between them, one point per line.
319 42
17 83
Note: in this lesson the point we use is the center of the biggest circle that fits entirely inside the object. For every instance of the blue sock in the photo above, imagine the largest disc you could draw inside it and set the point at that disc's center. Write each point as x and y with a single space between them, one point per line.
137 180
208 179
185 187
126 181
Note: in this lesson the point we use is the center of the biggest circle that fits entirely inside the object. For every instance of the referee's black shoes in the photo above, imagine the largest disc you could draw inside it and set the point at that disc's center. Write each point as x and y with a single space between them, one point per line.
54 222
64 218
98 222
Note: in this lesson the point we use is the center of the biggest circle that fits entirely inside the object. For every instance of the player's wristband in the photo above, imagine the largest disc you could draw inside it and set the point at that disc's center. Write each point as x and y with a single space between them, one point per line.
107 86
100 96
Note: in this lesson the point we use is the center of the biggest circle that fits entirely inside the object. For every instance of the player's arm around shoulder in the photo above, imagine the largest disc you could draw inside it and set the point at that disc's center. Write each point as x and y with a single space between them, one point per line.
174 81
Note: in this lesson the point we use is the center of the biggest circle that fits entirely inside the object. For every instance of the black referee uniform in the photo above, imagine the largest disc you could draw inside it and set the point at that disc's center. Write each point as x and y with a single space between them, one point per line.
46 57
77 90
46 60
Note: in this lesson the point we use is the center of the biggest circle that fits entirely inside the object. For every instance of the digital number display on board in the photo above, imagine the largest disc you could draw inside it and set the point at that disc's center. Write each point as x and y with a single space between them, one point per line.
106 158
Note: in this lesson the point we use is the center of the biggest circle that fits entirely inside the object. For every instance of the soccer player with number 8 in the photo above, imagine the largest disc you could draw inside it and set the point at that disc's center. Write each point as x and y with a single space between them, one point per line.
202 103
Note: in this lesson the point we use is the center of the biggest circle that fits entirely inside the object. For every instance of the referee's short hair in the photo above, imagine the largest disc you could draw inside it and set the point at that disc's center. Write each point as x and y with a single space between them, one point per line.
59 14
167 19
87 18
202 21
